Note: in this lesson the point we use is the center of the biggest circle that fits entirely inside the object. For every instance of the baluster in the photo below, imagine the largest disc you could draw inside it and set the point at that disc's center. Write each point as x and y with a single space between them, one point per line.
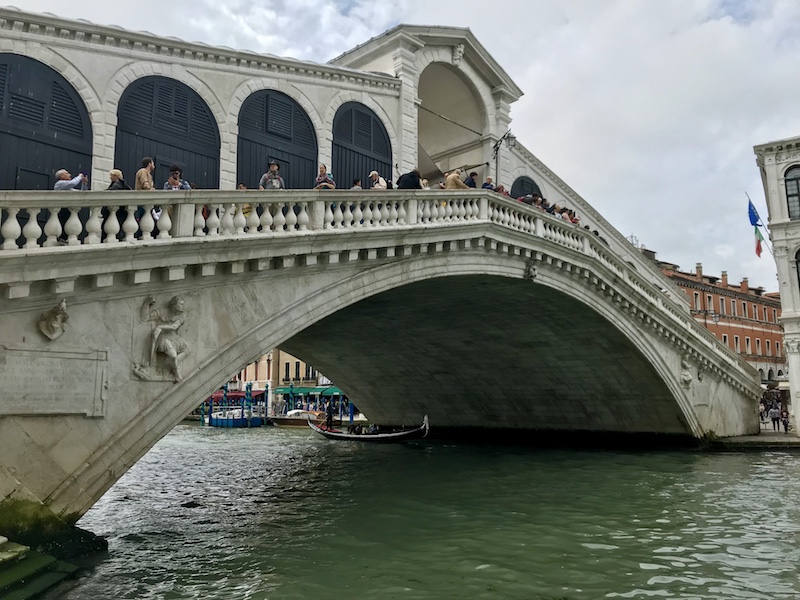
239 220
226 218
52 229
469 209
302 218
385 212
111 226
32 231
252 219
130 225
462 210
73 227
393 213
212 221
347 216
367 214
337 216
280 218
164 223
146 223
291 217
506 216
11 230
377 215
199 221
93 226
402 216
421 204
426 211
266 218
328 219
358 216
448 211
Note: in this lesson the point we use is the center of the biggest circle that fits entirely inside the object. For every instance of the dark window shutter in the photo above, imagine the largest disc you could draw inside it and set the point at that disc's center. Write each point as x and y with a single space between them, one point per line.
139 104
280 117
380 140
253 115
64 115
303 131
3 79
26 109
363 130
204 128
344 126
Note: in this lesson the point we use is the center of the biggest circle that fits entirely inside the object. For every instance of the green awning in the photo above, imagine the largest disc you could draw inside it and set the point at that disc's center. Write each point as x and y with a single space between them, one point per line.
329 390
297 391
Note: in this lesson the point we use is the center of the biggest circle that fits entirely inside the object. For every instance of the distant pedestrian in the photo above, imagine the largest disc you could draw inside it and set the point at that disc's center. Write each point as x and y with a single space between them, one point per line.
409 181
488 185
117 182
470 181
785 420
144 176
378 182
324 180
176 181
775 417
356 184
329 415
453 181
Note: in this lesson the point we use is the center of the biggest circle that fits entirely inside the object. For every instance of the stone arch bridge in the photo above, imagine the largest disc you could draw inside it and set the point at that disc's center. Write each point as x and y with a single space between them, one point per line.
474 309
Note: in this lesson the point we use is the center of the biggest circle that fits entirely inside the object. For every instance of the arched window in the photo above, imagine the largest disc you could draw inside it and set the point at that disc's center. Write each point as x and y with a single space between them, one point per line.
168 121
523 186
771 375
360 145
792 182
44 125
780 373
272 126
761 374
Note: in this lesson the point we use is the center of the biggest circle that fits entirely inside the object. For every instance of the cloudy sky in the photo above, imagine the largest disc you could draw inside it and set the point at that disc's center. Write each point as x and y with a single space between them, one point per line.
648 109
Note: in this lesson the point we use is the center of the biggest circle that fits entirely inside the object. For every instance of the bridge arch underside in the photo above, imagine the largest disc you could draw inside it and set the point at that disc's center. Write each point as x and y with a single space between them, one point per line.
506 354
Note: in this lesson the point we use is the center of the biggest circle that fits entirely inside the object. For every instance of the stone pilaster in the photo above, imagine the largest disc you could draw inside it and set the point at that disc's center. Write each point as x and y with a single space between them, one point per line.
406 72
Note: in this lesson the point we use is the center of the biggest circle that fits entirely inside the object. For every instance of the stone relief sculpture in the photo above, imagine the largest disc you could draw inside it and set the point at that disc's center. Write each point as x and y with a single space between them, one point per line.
791 346
52 321
458 54
686 373
165 348
530 270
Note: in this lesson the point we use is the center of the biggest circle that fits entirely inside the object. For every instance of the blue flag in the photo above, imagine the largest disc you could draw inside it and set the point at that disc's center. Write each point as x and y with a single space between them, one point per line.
755 220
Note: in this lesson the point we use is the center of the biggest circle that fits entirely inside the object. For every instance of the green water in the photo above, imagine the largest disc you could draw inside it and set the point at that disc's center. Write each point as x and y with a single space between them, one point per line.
285 515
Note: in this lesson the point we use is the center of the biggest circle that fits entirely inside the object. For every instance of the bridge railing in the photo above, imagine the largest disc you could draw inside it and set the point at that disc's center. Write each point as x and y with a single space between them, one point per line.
50 219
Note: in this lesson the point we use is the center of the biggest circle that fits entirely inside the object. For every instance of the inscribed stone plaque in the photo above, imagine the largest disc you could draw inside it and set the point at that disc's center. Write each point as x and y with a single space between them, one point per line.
52 382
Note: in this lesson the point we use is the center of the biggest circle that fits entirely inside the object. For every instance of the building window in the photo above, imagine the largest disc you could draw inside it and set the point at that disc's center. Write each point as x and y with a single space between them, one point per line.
297 369
697 300
286 371
736 343
722 306
774 316
709 302
309 372
747 347
744 309
777 350
769 347
725 339
755 311
792 182
758 346
733 308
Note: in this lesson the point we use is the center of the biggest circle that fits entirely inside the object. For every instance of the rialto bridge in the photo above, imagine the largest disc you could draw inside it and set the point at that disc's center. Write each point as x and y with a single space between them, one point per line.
475 309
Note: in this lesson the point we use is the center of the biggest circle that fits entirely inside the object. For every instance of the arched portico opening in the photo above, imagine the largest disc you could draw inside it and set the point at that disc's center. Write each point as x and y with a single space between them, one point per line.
273 126
360 145
44 125
524 186
168 121
451 122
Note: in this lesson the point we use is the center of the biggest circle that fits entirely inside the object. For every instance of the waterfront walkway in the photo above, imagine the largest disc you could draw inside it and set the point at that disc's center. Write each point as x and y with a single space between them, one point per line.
766 440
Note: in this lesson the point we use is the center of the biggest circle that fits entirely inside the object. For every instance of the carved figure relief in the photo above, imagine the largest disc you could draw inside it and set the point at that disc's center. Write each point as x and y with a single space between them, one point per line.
52 321
165 348
530 270
458 54
686 373
791 346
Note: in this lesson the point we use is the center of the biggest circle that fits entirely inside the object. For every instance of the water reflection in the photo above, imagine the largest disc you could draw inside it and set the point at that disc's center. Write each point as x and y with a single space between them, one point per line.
279 514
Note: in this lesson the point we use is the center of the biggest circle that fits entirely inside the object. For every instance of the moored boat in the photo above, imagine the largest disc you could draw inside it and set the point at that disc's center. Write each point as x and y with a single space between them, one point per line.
298 417
393 436
234 417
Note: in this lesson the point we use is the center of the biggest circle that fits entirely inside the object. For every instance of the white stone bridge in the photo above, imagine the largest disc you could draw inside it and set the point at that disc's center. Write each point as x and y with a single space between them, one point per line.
477 310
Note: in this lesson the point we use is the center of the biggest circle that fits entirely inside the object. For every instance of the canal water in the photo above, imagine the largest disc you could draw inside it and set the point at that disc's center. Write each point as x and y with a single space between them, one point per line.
270 513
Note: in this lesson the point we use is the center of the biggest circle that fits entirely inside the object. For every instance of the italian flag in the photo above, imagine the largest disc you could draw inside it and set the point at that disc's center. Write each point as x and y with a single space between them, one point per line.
759 239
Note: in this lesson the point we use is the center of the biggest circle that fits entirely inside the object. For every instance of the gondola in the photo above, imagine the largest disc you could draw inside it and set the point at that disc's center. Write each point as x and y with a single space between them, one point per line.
395 436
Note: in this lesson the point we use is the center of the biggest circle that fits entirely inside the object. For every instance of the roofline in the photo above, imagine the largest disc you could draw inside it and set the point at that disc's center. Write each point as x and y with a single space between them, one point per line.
60 28
420 32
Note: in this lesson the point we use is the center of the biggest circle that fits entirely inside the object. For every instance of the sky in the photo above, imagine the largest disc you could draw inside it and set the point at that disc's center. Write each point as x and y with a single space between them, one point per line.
649 110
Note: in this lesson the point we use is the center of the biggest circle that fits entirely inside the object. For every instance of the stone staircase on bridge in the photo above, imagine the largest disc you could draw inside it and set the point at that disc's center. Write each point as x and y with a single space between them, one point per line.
26 573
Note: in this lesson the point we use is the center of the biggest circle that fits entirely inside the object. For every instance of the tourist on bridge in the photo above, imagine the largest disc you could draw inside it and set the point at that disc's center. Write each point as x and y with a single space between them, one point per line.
378 182
410 181
453 181
66 182
176 181
470 181
488 185
271 180
785 420
324 180
117 182
144 176
356 184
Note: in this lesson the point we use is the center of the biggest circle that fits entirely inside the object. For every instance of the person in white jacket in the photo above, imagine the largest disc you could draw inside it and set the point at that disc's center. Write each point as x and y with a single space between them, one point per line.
378 182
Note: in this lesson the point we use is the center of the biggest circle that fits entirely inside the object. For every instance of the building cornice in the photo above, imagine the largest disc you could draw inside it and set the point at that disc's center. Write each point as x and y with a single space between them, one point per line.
707 287
47 27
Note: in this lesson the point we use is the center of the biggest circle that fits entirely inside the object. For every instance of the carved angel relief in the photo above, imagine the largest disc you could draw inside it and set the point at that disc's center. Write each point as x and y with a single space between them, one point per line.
686 373
165 349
